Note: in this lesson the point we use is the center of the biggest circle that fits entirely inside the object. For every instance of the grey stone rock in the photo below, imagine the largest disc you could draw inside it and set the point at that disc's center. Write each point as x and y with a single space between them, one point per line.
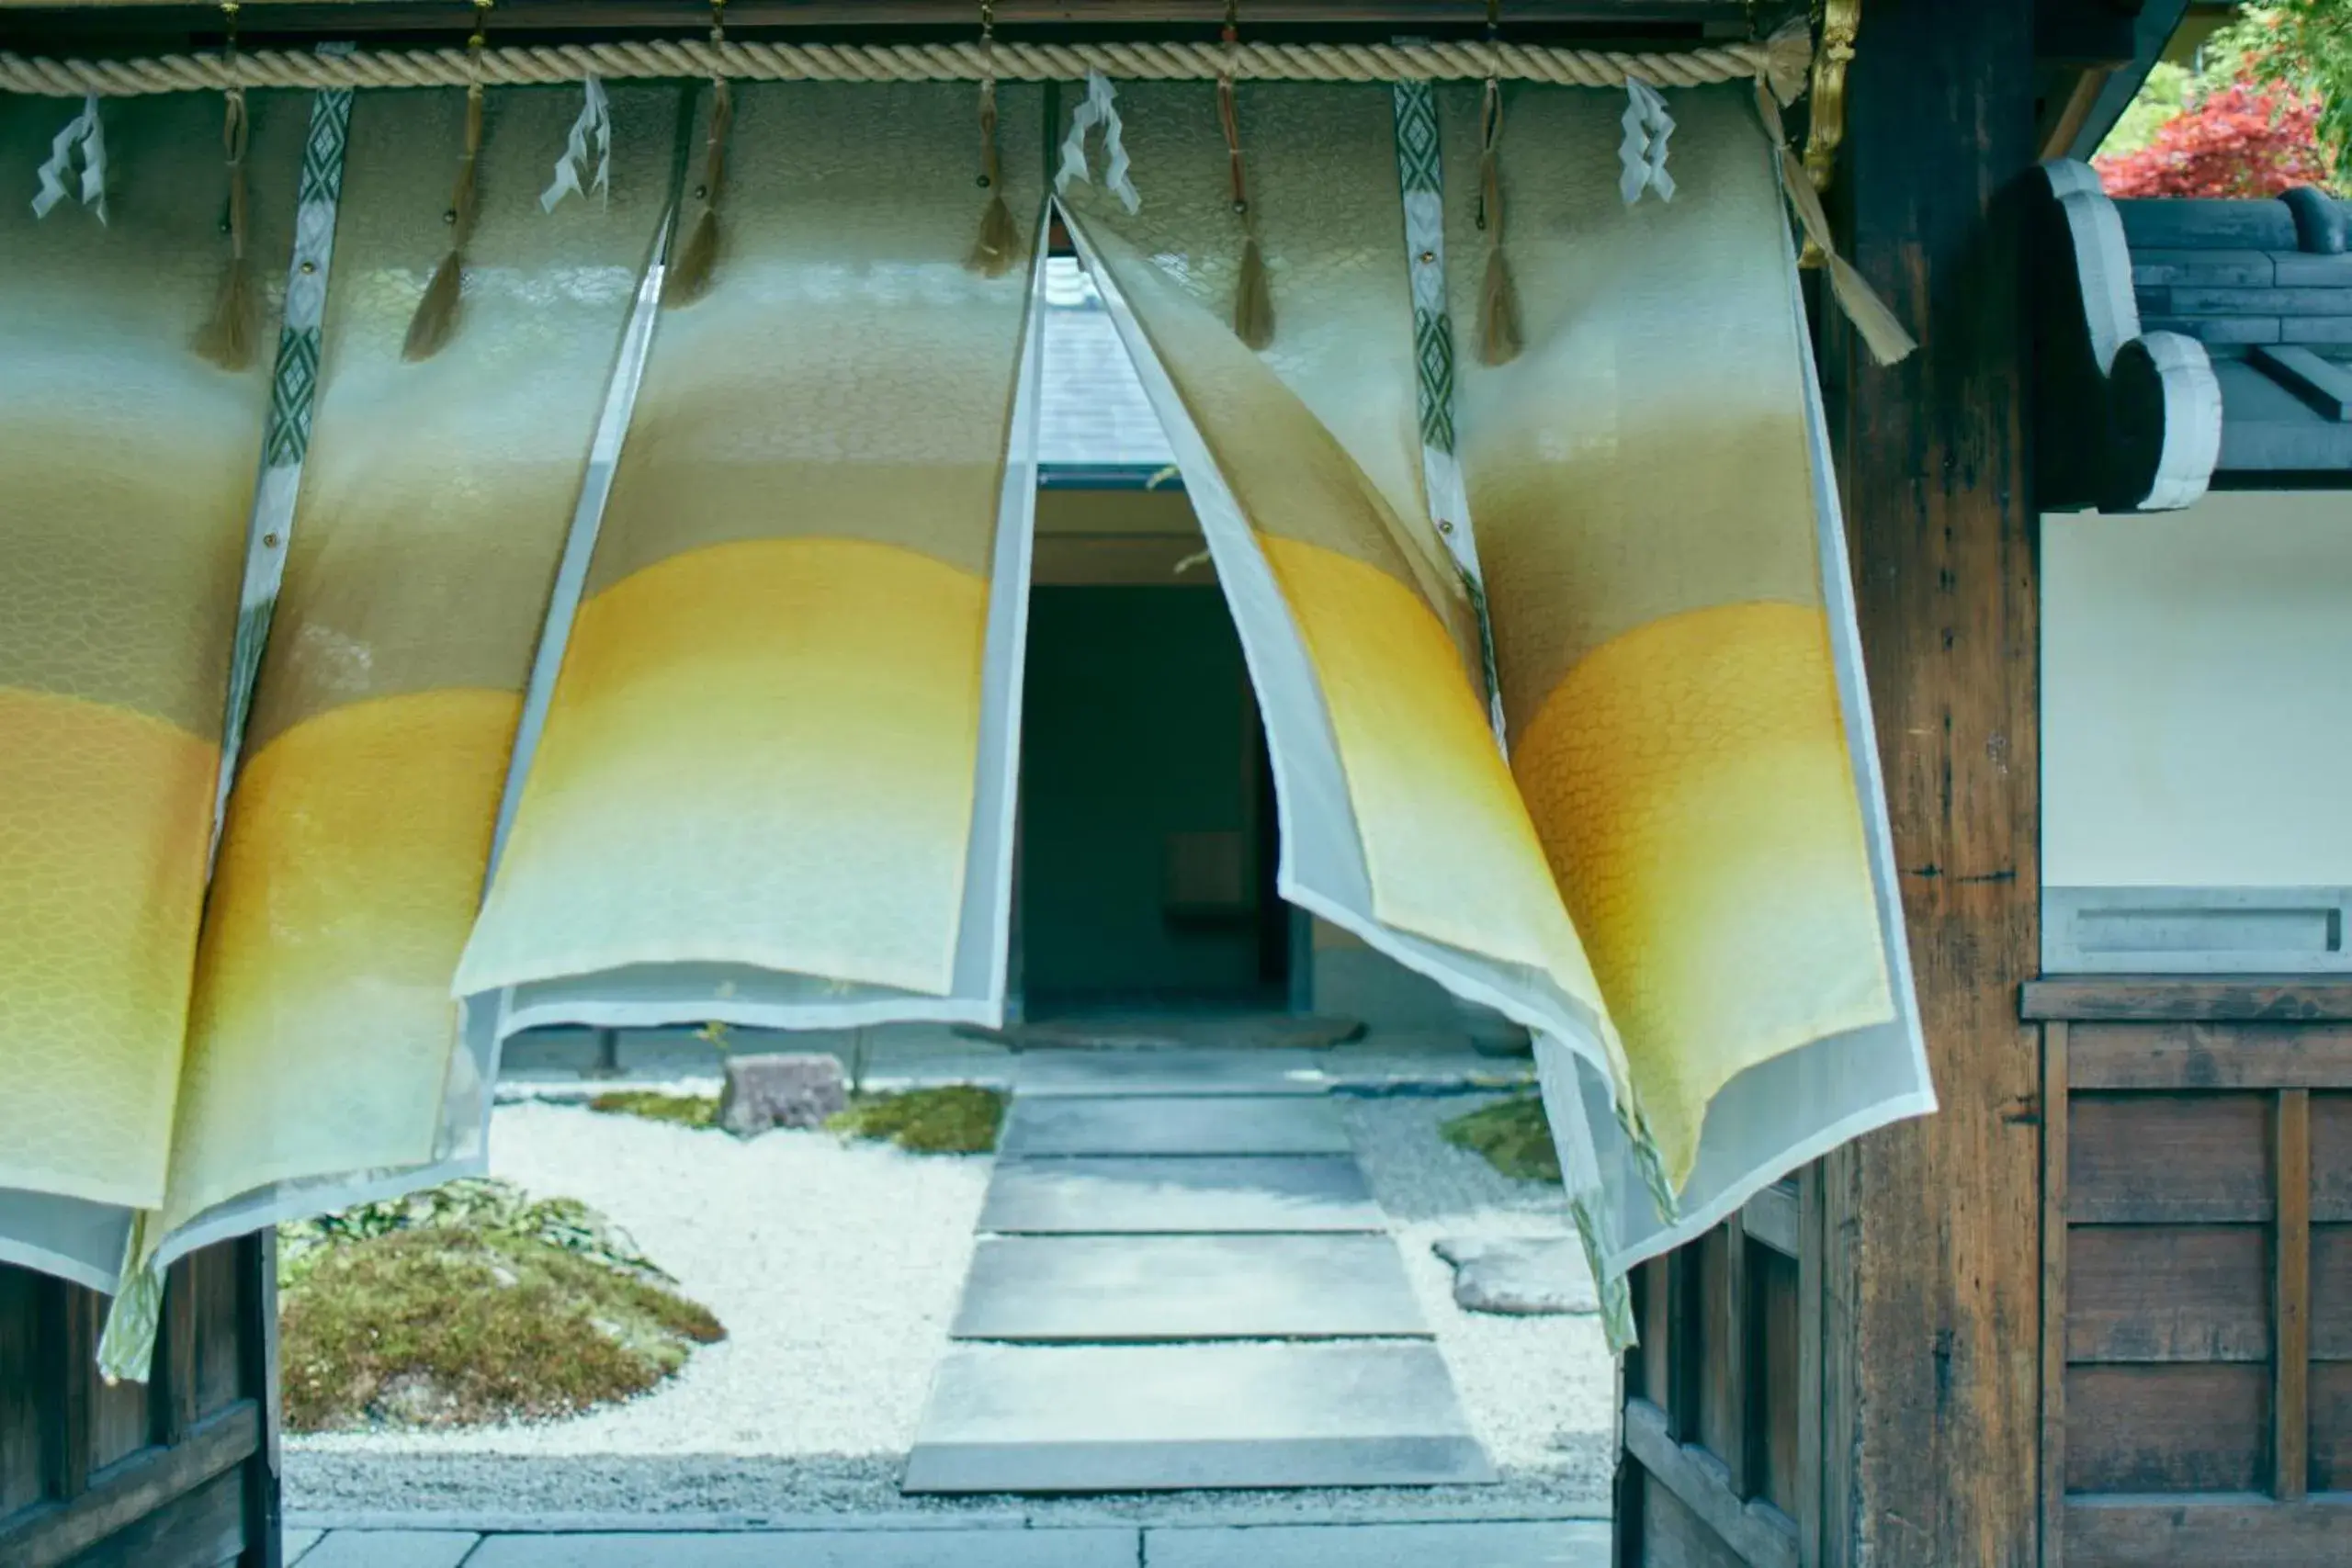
1520 1276
786 1090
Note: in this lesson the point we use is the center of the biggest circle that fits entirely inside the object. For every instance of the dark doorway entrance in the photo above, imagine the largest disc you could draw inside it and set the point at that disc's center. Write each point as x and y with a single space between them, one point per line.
1146 848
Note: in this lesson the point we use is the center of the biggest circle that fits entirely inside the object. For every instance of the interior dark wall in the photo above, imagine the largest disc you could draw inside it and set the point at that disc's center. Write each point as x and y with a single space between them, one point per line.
1137 725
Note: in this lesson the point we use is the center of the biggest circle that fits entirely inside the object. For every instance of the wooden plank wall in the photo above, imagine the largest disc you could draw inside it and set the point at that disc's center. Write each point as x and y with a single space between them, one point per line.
1721 1463
177 1472
2197 1340
1930 1269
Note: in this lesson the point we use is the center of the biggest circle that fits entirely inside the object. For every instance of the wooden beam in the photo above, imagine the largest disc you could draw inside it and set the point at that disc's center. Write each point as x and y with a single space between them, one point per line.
133 1489
692 15
261 1494
1810 1396
2056 1076
2197 1056
1735 1363
2246 998
1759 1533
1771 1218
2067 112
2204 1533
1936 1287
2292 1335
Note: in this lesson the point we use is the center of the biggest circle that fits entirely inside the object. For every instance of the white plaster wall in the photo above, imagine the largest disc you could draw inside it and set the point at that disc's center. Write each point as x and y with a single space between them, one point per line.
2197 695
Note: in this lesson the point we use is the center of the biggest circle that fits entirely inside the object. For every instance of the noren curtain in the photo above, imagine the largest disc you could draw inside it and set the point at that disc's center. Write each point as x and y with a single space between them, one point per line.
1680 669
774 783
127 471
1680 877
1399 818
436 499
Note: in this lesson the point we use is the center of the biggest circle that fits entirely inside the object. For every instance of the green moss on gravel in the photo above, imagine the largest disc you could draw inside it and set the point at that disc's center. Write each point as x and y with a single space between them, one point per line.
452 1326
959 1119
469 1303
1511 1135
685 1109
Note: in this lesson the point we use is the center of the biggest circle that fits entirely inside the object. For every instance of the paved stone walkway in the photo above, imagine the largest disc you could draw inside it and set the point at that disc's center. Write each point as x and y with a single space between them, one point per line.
1547 1543
1184 1283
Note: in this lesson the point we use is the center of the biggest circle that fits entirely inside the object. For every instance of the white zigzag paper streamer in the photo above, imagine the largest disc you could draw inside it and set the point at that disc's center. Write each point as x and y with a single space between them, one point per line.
1648 125
84 132
592 137
1098 109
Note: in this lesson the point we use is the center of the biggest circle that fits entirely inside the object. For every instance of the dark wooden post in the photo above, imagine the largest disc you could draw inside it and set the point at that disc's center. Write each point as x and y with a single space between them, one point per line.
1932 1321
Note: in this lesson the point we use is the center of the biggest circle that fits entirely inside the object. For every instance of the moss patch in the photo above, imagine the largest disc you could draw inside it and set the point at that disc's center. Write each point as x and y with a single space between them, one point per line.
684 1110
960 1118
1511 1135
468 1304
447 1326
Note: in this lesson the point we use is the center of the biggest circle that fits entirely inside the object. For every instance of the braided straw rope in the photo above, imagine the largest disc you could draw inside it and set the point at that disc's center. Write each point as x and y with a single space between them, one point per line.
1779 60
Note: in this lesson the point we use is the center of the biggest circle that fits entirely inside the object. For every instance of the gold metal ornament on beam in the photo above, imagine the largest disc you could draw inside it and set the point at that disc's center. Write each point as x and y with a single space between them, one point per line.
1840 22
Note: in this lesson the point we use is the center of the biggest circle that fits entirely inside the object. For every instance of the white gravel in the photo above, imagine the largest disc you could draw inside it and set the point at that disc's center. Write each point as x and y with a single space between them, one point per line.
835 1268
1541 1390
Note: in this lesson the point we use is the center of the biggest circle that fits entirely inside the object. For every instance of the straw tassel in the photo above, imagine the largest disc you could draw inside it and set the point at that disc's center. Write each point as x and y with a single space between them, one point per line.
1882 332
998 245
227 340
691 271
436 314
1499 335
1253 298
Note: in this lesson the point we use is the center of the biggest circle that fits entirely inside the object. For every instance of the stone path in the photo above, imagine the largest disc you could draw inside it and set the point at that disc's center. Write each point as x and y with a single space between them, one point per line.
1547 1543
561 1062
1184 1283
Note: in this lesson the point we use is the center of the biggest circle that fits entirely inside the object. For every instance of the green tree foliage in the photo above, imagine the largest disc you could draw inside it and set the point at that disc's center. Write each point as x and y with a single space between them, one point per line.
2298 47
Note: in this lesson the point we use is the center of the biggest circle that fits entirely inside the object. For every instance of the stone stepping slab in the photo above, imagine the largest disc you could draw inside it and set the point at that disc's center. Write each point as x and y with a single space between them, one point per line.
1072 1547
1516 1543
1172 1417
1205 1070
391 1548
1177 1194
1101 1288
1193 1031
1173 1124
1081 1548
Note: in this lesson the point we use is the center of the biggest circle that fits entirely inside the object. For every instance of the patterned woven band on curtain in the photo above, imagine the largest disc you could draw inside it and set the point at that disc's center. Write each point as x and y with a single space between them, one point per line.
127 471
775 780
324 1063
1398 816
1680 666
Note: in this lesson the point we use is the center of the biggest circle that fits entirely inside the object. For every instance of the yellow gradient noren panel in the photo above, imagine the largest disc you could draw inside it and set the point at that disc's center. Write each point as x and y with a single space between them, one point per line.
1305 459
1679 668
435 499
127 464
772 777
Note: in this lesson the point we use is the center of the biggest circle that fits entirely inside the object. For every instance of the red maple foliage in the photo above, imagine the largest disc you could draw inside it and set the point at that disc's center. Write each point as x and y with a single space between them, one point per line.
2238 141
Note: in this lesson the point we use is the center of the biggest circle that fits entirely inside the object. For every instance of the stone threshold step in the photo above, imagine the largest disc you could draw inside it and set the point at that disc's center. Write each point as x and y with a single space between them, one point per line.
1096 1288
1160 1195
1184 1418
